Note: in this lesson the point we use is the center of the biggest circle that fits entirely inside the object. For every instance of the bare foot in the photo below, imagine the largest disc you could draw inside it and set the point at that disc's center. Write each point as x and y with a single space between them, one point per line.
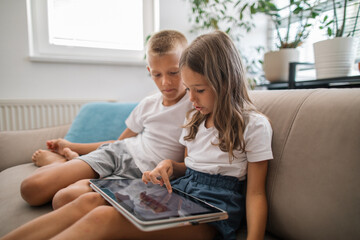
45 157
70 154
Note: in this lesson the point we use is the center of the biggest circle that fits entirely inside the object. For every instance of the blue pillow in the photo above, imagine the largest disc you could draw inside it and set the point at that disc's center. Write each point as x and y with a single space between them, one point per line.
99 121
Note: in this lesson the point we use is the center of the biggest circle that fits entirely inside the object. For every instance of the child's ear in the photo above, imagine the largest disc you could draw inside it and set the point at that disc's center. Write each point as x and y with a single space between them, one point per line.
148 68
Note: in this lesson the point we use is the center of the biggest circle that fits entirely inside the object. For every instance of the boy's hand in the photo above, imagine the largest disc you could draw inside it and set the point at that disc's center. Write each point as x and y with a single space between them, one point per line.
58 145
160 175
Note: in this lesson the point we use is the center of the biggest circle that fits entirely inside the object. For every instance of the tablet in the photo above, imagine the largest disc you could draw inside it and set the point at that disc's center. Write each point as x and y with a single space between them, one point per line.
150 206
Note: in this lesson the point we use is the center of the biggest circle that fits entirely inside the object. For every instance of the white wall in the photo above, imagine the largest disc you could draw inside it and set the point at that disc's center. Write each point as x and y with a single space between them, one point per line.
23 79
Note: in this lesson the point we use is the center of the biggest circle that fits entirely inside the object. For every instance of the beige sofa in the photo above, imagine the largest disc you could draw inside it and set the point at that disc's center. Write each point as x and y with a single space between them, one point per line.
313 184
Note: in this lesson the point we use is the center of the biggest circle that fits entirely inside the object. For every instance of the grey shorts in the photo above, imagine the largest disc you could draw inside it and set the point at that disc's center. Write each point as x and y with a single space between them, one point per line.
112 160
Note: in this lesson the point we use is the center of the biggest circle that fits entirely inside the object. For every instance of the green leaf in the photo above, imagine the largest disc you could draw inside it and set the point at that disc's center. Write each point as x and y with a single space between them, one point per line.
244 7
330 22
273 7
314 14
252 9
297 10
237 3
329 32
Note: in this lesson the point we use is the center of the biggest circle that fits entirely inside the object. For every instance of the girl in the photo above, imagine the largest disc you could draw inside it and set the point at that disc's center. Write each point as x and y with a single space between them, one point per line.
226 140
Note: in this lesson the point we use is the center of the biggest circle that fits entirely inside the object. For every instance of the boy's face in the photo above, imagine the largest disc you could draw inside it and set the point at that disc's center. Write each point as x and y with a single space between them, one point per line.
164 70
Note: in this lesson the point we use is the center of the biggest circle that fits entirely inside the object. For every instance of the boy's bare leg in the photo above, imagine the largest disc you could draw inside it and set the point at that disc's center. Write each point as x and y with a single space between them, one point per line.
41 186
54 222
70 193
105 222
45 157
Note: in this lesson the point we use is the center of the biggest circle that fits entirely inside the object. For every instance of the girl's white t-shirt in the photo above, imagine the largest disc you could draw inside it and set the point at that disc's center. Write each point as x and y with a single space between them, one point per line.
208 158
159 128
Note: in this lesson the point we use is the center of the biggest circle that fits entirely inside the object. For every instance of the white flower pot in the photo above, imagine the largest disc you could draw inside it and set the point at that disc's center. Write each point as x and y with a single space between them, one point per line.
335 57
276 64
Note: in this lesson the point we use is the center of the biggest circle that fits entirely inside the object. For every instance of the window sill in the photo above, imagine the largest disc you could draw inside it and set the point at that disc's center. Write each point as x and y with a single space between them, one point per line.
86 60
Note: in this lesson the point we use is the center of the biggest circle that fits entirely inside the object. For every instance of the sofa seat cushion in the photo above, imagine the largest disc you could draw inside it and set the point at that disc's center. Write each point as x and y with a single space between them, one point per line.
14 210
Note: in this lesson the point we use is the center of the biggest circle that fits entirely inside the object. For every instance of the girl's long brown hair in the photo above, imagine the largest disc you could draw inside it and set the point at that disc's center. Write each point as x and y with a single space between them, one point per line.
215 56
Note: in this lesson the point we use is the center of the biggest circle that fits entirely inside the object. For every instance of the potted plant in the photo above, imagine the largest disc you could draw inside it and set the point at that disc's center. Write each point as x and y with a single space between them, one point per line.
292 26
335 56
234 18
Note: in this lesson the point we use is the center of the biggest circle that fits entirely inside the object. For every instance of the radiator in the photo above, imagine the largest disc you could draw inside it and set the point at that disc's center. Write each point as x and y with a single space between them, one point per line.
33 114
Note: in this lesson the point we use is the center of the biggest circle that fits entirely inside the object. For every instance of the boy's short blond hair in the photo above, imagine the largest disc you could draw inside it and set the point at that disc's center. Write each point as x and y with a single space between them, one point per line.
165 42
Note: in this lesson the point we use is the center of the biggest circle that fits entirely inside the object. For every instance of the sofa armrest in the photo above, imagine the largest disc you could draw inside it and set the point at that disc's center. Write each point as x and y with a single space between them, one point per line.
17 147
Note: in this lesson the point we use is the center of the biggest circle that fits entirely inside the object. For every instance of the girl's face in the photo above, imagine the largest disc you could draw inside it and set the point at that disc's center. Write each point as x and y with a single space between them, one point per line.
201 94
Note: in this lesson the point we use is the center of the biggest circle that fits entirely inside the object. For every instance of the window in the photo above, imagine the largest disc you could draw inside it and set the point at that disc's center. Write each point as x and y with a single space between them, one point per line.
99 31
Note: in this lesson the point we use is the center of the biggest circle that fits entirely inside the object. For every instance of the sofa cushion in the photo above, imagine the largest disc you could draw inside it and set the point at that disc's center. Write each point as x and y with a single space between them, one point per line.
14 210
17 147
99 121
313 180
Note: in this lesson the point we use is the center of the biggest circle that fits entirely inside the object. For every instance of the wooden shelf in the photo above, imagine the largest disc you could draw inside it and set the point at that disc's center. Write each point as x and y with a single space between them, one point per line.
339 82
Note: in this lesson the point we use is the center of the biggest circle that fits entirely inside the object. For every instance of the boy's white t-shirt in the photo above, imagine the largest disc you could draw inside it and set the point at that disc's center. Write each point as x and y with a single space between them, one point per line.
159 128
208 158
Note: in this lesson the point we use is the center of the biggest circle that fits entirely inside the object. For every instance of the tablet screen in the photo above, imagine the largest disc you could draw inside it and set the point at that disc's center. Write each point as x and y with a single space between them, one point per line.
149 202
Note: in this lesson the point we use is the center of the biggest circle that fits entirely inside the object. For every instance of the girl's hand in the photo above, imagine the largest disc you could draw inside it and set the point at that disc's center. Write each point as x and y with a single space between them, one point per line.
160 175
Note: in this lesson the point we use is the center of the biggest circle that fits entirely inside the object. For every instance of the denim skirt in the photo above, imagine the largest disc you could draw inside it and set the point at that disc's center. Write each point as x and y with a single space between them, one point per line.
224 192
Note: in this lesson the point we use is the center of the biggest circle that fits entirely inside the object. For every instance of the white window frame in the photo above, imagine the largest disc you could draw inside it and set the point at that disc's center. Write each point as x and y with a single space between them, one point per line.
41 50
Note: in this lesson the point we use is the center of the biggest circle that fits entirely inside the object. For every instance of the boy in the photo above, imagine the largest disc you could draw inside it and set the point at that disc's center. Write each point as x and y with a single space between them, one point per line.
153 130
